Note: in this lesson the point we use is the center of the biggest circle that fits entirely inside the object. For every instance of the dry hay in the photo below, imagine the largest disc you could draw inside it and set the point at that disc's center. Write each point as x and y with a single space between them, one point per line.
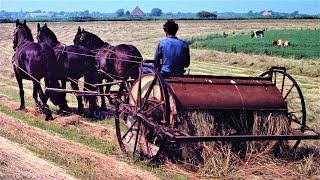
219 158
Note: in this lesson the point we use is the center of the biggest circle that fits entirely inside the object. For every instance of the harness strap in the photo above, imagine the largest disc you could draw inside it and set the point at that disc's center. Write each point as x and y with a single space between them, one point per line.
14 63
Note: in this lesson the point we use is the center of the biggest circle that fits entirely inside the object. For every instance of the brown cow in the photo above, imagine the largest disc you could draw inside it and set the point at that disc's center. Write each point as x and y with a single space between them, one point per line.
280 42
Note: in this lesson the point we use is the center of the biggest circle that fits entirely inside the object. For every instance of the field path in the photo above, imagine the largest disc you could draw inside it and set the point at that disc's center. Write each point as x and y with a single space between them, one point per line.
16 162
103 166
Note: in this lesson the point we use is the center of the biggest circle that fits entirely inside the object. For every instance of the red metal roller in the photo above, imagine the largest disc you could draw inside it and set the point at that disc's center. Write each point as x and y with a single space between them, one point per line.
226 93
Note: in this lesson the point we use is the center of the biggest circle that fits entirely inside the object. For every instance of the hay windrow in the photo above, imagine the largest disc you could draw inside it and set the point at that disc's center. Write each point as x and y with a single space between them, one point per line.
220 158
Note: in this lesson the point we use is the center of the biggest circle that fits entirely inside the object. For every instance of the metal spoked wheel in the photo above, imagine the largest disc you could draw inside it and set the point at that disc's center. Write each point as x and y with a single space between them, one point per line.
141 109
293 98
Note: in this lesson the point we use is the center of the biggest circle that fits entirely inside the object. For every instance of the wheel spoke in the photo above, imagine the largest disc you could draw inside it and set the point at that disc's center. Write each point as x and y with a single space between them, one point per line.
283 82
128 130
154 107
146 96
137 138
130 94
149 152
285 97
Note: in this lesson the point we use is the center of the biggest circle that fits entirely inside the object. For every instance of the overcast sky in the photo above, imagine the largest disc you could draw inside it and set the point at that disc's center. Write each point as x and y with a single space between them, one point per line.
303 6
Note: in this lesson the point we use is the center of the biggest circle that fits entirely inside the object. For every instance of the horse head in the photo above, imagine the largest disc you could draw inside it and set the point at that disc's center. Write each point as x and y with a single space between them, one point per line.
45 35
21 34
88 40
77 40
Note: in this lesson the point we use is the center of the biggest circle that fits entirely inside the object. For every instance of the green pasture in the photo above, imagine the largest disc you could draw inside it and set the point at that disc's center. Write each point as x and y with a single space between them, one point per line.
304 43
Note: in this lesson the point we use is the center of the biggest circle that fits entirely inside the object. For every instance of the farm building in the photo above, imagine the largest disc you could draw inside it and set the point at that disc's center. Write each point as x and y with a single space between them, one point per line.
41 14
137 12
267 13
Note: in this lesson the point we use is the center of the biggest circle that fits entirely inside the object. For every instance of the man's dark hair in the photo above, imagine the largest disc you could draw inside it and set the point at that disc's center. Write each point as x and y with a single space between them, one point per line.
171 27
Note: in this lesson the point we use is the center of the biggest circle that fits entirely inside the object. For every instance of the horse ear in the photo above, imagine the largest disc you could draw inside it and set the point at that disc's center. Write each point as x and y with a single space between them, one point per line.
24 22
38 27
79 29
82 29
45 25
17 22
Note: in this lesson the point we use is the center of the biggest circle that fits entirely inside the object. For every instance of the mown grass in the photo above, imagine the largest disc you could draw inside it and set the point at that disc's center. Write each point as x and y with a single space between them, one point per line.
221 63
70 133
51 155
77 135
304 43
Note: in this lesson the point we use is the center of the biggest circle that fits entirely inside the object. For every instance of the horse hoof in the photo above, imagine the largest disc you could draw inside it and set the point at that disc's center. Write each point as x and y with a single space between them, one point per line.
21 108
49 118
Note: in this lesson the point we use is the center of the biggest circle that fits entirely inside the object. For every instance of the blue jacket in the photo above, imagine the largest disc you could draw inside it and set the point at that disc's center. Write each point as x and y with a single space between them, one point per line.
175 55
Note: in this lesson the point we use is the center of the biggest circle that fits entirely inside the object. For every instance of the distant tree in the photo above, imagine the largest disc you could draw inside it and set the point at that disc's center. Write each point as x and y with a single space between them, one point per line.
250 13
206 14
156 12
36 11
120 12
127 13
86 13
169 14
295 13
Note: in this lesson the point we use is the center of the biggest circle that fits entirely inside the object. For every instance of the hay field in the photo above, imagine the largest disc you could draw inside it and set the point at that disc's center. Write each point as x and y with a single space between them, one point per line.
146 34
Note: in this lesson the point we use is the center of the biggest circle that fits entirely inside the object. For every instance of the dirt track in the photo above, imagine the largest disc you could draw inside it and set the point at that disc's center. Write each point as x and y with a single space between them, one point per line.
17 162
103 166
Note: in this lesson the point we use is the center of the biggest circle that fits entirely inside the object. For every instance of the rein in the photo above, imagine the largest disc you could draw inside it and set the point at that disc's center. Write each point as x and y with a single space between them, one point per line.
23 44
14 63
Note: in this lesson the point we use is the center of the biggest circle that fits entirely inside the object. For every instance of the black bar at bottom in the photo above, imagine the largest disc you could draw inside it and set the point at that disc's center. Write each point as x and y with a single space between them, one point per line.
238 138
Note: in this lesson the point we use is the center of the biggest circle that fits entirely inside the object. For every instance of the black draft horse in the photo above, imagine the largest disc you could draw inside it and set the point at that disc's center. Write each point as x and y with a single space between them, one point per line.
75 62
114 62
34 61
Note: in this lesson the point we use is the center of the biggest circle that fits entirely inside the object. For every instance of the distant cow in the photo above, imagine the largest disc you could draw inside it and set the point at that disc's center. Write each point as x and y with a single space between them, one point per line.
257 33
280 42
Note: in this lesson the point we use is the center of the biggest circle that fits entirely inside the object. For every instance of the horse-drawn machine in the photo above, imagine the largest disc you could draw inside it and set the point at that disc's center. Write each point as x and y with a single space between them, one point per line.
152 111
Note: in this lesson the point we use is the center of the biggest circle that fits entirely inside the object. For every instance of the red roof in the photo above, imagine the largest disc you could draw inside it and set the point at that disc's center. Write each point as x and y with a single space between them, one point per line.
266 13
137 12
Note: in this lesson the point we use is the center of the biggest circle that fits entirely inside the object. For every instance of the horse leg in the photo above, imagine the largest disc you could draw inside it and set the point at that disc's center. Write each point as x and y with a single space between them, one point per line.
21 93
64 106
35 95
103 101
44 97
108 87
79 98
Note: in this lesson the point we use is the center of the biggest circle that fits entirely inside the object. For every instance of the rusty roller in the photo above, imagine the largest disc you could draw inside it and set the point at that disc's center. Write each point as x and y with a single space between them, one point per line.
155 111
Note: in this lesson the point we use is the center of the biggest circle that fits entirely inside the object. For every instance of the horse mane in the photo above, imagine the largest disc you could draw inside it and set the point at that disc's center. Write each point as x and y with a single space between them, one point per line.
91 35
95 39
27 31
50 34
